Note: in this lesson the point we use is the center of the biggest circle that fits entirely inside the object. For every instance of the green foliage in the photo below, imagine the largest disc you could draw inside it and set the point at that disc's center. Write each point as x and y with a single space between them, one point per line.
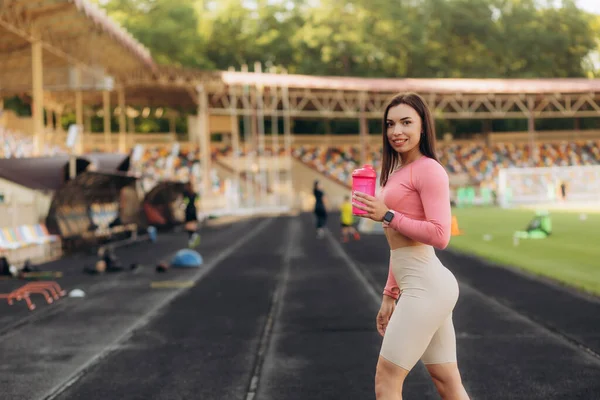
168 28
372 38
17 105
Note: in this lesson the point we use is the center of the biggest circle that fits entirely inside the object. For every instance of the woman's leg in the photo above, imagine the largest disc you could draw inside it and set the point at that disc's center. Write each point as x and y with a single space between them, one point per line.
447 380
421 325
440 360
408 333
389 379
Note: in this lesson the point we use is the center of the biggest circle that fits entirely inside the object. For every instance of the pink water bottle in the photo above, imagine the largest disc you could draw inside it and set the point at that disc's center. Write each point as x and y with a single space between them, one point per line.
363 180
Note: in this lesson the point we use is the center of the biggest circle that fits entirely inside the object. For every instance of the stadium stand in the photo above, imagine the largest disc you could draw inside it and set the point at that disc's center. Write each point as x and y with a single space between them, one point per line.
29 242
479 161
476 161
18 145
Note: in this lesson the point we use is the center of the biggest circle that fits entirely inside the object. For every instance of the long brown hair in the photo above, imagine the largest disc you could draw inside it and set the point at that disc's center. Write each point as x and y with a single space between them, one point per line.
391 158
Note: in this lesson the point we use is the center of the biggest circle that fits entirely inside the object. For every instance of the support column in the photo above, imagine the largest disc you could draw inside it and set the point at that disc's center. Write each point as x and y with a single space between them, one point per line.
486 126
204 138
172 123
287 139
275 145
88 113
122 121
130 137
37 109
107 115
50 133
130 128
49 119
59 127
254 156
79 115
363 129
531 131
261 137
235 140
248 144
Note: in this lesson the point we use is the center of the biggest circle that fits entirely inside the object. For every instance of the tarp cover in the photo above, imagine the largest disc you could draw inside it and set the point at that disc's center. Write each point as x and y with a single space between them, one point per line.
108 162
39 173
90 187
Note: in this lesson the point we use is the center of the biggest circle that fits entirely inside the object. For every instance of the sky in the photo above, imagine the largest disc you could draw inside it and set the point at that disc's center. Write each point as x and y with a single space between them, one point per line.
590 5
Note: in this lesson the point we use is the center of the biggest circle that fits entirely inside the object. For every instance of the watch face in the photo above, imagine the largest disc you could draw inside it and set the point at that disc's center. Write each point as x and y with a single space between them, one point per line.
388 216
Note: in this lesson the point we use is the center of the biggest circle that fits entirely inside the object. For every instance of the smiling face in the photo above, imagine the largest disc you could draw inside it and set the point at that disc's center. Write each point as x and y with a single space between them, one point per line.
408 133
404 127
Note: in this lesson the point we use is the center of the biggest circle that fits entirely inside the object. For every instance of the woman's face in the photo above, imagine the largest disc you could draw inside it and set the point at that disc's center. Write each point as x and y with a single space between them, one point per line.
404 128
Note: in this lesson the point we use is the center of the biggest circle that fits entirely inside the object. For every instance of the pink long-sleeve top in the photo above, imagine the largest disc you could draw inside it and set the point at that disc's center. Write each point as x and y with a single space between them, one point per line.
419 194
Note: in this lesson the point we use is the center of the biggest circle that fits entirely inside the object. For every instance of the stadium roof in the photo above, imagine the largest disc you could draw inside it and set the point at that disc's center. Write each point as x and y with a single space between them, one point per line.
167 76
167 86
474 86
73 32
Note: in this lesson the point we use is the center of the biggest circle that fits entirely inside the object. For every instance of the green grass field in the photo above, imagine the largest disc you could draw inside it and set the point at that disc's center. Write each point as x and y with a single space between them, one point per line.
571 255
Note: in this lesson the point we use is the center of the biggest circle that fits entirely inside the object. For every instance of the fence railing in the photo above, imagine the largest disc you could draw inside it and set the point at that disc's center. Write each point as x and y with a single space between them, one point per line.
98 142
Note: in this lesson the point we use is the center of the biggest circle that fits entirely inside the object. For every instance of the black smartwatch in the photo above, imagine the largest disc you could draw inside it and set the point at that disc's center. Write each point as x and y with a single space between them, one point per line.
388 217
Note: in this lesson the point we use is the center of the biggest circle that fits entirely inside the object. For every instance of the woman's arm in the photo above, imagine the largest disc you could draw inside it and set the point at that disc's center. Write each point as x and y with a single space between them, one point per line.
391 286
431 181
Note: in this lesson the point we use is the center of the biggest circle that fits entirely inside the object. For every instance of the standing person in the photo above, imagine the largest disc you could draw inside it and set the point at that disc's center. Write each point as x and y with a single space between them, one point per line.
191 215
347 220
563 190
414 207
320 209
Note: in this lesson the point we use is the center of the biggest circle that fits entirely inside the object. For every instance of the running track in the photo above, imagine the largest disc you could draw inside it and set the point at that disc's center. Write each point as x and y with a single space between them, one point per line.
277 314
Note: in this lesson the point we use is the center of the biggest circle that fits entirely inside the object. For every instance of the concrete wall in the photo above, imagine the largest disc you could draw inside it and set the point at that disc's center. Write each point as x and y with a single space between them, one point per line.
11 121
21 205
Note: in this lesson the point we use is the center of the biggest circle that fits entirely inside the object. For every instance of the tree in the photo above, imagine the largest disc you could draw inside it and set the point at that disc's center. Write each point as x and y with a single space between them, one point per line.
168 28
371 38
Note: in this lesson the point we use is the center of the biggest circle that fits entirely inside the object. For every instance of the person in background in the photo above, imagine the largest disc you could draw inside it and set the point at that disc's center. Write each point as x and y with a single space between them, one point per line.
320 209
347 221
563 190
191 215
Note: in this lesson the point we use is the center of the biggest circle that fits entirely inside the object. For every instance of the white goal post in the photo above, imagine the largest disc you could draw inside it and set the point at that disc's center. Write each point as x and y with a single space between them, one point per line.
521 186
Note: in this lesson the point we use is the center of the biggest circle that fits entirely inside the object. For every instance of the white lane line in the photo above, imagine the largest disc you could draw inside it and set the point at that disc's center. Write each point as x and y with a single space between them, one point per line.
275 308
555 334
337 247
529 276
142 321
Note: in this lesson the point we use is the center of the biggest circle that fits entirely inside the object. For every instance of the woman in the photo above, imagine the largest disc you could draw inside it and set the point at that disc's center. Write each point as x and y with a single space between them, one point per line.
320 209
414 206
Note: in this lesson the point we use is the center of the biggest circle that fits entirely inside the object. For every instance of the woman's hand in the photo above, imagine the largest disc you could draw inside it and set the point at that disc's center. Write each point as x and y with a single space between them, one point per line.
374 207
388 305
